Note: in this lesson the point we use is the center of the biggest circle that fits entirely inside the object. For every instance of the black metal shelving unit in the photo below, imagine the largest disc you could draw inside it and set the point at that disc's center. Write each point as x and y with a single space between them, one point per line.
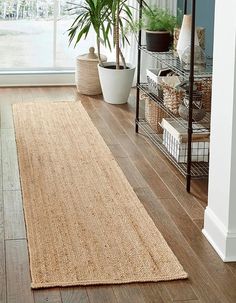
171 60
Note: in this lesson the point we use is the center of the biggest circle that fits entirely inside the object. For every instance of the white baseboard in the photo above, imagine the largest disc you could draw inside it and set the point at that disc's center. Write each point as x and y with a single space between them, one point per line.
223 242
39 78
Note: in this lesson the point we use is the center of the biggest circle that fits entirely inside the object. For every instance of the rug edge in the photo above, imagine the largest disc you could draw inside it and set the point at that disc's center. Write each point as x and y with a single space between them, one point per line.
87 283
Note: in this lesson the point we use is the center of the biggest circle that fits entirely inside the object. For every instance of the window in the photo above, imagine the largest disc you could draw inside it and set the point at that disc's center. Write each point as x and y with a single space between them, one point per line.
33 35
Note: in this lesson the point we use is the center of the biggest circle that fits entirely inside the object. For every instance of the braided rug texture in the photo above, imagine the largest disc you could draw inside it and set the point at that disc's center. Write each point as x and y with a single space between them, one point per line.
85 225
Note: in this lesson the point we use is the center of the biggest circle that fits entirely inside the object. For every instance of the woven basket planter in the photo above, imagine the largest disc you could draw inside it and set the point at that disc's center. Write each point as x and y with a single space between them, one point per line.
86 74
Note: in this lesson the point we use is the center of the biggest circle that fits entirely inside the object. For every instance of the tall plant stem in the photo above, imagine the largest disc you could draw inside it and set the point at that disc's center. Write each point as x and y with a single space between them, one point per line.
99 51
122 59
117 35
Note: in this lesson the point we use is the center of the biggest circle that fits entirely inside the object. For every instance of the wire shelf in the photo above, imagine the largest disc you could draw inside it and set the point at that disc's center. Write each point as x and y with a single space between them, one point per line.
171 60
198 169
205 122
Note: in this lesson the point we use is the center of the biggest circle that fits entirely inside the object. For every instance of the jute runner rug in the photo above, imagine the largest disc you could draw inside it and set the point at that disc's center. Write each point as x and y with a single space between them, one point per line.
85 225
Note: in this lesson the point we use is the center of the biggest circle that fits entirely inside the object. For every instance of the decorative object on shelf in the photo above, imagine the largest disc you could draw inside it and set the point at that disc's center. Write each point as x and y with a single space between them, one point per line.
86 73
198 112
204 85
153 114
159 25
175 137
154 80
201 34
172 97
199 59
185 35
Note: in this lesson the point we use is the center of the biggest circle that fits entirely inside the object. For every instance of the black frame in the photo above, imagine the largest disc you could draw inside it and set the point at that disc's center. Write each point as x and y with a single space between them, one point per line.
187 171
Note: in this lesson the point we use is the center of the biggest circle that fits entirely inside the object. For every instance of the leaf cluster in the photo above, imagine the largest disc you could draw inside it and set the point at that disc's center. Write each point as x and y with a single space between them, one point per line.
157 19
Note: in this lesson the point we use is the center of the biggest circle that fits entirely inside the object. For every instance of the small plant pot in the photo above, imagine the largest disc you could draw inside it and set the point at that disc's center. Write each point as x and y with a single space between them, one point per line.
159 41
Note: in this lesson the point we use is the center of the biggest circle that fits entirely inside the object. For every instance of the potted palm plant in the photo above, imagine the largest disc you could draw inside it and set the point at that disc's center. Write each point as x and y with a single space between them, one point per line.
109 19
116 77
159 25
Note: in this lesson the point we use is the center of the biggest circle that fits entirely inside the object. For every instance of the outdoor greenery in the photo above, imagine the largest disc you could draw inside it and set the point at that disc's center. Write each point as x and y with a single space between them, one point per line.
31 9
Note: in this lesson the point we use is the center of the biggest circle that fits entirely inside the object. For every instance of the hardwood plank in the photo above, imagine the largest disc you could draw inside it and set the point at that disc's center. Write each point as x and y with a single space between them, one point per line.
2 254
151 293
17 271
59 94
11 180
13 215
8 96
232 267
113 125
165 295
134 177
74 295
47 295
181 291
199 223
101 294
138 293
6 116
200 280
117 151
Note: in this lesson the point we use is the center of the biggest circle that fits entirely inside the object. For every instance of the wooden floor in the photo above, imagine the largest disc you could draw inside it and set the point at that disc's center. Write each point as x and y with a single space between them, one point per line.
177 214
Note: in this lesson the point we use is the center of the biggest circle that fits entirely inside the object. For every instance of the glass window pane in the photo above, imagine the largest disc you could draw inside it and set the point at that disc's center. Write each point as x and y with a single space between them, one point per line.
26 34
32 37
65 54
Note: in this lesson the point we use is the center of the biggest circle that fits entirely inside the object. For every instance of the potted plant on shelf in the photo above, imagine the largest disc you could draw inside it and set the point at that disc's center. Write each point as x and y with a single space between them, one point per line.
159 25
109 19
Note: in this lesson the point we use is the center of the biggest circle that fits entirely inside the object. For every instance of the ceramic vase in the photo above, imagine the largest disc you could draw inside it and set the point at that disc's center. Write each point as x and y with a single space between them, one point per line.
185 35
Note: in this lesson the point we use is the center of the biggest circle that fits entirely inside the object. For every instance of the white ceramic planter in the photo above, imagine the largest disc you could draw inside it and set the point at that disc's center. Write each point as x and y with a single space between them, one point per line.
116 84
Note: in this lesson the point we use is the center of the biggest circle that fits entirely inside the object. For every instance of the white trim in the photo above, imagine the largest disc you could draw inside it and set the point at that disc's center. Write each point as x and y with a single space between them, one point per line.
39 78
223 241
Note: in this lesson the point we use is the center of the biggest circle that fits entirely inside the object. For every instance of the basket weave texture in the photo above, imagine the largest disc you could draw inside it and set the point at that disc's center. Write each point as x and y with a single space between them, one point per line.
172 98
153 114
86 78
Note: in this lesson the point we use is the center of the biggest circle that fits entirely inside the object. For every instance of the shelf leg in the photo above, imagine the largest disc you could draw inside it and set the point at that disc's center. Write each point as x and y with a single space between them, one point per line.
188 183
191 83
138 68
137 109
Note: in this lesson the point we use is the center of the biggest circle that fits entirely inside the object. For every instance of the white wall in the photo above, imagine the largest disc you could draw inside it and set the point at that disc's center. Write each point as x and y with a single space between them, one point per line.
220 215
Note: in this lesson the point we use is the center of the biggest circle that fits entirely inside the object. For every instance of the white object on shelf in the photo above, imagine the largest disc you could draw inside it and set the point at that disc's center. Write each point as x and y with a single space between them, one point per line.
175 140
185 35
172 81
